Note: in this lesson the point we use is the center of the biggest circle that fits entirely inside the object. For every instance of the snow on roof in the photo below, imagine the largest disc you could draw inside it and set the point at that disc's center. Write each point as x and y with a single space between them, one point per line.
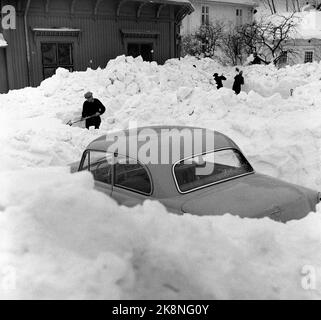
244 2
3 43
180 2
309 26
308 23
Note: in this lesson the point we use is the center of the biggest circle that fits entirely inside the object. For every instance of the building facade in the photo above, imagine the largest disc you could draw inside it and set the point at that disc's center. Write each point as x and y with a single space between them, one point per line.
231 12
304 46
77 34
301 51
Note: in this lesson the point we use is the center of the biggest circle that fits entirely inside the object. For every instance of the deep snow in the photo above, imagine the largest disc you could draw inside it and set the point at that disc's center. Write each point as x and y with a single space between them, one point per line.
63 239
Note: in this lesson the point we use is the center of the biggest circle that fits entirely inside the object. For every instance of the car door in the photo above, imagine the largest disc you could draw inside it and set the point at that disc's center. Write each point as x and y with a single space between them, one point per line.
132 182
99 163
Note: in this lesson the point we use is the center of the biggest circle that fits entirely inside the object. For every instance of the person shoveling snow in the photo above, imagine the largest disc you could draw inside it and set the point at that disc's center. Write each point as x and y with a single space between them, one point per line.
92 109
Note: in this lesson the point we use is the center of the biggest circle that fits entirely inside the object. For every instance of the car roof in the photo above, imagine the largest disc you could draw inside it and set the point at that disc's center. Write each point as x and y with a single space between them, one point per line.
156 134
162 176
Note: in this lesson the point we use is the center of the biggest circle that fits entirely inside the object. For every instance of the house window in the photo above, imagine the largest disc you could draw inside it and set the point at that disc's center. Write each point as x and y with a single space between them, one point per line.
239 17
283 58
56 55
249 15
205 15
308 56
145 50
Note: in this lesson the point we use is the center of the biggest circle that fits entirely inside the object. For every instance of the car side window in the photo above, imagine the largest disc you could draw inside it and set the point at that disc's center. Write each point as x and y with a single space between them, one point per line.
99 163
132 176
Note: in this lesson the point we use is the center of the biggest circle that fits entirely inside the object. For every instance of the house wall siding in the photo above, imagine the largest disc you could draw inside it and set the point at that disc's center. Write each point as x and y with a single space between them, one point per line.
300 46
3 71
100 38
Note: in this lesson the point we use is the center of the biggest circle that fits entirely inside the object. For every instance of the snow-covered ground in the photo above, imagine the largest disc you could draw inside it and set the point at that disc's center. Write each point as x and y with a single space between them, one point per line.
59 238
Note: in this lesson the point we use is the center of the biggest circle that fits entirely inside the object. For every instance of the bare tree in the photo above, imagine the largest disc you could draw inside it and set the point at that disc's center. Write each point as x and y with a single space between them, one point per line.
250 36
296 5
191 46
270 36
204 41
271 5
275 6
210 35
232 46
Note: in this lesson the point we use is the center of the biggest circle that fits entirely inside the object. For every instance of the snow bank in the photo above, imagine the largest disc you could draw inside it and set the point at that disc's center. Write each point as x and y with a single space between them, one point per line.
279 133
62 239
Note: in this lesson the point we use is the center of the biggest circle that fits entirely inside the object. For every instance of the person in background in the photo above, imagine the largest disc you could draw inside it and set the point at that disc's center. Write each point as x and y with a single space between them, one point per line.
257 59
93 109
218 79
238 82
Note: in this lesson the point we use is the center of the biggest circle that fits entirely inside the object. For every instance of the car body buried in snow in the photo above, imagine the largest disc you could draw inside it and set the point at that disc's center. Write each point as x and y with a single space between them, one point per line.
207 174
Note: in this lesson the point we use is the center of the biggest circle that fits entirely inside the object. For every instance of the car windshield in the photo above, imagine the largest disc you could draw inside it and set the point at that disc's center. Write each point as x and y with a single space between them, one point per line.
209 168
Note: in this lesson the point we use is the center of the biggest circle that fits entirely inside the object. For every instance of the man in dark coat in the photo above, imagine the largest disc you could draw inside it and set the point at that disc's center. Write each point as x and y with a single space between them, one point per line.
218 79
238 82
92 108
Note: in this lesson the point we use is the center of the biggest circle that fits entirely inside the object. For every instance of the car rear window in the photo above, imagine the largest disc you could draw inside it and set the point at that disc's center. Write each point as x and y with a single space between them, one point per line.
202 170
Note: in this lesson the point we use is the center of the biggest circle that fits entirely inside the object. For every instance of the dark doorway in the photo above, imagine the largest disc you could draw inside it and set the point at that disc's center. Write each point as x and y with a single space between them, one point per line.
56 55
140 49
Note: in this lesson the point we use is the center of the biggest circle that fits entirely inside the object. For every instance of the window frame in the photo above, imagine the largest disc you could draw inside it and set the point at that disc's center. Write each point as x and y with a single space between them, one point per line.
113 171
70 67
239 17
130 189
140 43
205 15
305 55
284 58
212 183
83 158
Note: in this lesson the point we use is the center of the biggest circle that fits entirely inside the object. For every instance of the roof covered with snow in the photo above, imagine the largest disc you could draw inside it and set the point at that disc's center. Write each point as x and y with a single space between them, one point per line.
309 26
242 2
3 42
179 2
308 23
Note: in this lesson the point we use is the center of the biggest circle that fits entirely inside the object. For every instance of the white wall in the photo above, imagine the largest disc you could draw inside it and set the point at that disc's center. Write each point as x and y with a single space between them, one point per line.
301 46
217 12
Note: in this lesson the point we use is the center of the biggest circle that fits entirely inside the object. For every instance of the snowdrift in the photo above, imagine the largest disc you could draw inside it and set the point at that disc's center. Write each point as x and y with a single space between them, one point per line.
279 133
63 239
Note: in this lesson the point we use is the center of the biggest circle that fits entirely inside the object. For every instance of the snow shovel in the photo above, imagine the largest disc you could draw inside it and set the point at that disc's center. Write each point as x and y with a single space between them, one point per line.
70 123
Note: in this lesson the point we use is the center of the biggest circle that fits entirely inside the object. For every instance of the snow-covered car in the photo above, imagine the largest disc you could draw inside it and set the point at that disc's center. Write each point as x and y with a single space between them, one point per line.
232 186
